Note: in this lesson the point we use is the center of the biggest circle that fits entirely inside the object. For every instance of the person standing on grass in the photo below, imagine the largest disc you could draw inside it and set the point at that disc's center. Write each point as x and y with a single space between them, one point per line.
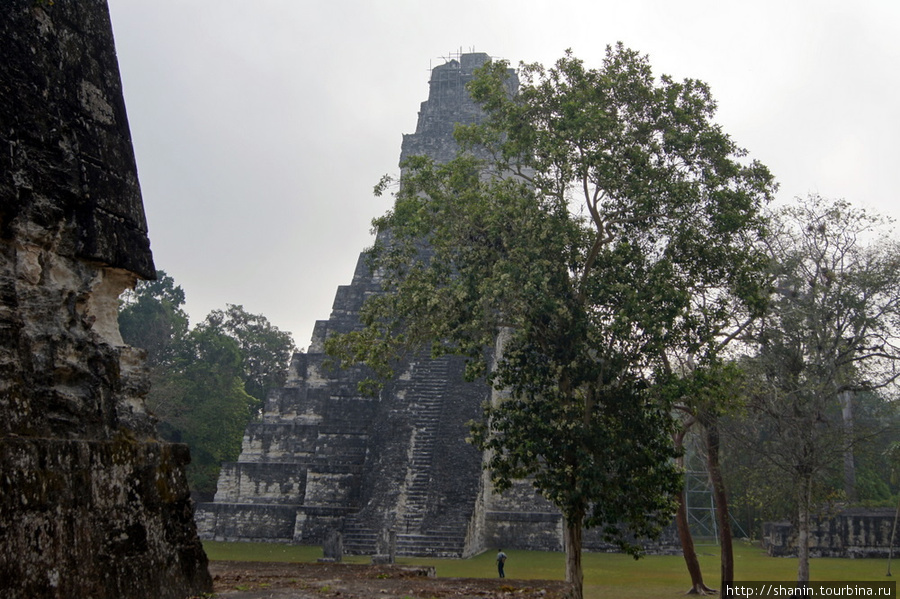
501 559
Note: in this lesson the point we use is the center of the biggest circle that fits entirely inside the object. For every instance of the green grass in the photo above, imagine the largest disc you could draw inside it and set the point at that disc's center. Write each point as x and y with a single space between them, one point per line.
606 574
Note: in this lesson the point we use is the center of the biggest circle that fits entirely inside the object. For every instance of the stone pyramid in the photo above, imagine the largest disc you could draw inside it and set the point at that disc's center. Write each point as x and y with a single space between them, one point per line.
324 457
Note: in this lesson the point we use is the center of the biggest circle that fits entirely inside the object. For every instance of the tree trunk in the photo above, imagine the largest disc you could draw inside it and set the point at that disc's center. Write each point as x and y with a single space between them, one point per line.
684 532
893 536
805 502
846 401
723 519
574 571
698 587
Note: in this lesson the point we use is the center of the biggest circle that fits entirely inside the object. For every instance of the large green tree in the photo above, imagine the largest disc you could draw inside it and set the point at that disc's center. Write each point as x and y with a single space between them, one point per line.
210 407
265 349
592 203
833 332
152 317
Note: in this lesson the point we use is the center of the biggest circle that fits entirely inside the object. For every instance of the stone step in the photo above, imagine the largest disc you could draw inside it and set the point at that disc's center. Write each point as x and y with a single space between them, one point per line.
430 549
442 553
430 546
409 540
358 539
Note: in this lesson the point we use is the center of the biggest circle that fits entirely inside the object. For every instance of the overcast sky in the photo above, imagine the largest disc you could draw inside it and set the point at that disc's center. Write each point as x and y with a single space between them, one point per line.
260 127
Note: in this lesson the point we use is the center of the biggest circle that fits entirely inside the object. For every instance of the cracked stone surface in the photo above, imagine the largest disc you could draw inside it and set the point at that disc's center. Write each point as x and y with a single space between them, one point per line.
91 504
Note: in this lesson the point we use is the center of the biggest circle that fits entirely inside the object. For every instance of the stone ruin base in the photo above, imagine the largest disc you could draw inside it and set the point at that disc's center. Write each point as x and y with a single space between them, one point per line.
97 519
854 532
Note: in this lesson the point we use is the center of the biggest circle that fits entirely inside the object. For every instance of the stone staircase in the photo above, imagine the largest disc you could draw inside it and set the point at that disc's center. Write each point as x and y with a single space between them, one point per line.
440 541
420 520
426 397
358 538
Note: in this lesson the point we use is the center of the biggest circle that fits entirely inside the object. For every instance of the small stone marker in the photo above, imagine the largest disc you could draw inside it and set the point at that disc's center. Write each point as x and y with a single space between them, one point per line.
386 547
333 547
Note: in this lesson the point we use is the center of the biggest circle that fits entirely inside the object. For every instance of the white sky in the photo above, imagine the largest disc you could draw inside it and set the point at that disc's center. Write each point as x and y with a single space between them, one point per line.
260 128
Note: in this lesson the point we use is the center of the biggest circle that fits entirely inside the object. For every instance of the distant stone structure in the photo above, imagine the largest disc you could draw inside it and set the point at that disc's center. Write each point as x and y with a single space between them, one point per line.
91 505
326 457
854 532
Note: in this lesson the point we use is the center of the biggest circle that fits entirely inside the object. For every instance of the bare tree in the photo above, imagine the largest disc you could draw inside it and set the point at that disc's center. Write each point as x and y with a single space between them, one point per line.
833 330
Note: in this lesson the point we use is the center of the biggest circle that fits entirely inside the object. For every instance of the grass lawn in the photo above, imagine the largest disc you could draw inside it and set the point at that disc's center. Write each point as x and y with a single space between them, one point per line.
606 574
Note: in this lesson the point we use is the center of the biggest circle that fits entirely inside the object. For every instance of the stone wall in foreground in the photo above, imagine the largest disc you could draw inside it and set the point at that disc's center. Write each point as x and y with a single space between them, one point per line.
91 505
85 518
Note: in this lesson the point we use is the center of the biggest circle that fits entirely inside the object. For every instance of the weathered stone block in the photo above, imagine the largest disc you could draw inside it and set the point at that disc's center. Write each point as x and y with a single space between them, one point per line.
333 547
97 518
69 171
247 522
90 504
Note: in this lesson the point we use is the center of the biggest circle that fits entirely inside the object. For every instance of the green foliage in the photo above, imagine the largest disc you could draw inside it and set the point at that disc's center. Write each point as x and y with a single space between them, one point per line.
207 382
264 349
825 347
152 317
831 331
877 422
873 488
592 209
214 406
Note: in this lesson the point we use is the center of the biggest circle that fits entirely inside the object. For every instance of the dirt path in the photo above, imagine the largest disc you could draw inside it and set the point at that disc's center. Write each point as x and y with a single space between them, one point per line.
264 580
